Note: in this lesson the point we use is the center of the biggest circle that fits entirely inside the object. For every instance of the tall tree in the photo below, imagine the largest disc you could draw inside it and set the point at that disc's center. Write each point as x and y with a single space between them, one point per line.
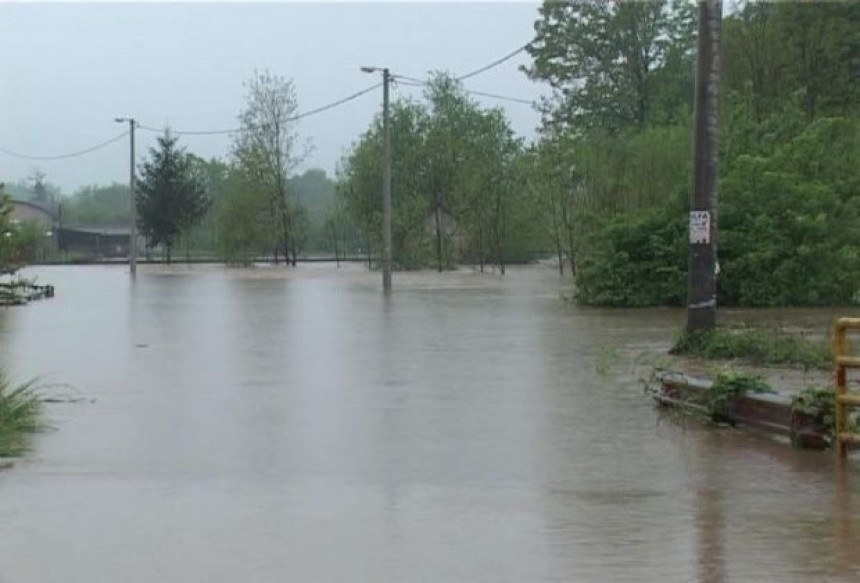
266 148
603 60
171 194
8 262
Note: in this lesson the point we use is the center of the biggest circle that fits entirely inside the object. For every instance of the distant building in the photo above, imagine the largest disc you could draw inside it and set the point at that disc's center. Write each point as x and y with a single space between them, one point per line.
27 211
95 242
45 216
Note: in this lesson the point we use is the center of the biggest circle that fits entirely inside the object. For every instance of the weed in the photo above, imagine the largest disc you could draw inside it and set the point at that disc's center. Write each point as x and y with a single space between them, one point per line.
756 346
20 409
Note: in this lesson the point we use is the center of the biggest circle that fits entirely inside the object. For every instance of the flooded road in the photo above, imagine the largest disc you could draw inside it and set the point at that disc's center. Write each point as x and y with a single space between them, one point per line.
274 425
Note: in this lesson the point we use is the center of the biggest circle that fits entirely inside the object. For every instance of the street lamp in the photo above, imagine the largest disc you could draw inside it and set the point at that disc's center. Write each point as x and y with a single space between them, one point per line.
132 240
386 180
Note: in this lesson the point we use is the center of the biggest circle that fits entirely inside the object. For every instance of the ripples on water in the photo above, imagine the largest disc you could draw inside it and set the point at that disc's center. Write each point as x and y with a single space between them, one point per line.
273 424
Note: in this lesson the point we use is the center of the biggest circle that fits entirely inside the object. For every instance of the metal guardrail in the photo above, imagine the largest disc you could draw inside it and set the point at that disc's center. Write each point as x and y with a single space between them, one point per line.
844 360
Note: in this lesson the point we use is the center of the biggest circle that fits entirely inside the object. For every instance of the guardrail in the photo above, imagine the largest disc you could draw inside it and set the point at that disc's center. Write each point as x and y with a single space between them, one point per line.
845 399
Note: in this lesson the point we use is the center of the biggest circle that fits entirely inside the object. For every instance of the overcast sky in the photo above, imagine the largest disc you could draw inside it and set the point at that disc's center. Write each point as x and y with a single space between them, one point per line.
69 69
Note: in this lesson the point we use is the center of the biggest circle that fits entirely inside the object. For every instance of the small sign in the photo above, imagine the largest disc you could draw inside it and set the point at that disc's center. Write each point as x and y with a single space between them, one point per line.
700 227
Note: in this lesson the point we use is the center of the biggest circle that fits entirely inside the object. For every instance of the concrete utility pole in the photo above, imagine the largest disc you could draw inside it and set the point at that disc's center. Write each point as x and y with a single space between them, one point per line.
386 180
132 241
702 258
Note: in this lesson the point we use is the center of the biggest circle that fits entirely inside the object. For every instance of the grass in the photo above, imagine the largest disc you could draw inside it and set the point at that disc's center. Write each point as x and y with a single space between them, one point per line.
20 410
756 346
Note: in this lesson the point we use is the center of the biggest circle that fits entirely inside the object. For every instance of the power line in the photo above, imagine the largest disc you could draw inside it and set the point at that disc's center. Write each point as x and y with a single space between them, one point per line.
297 117
495 63
64 156
336 103
415 83
502 97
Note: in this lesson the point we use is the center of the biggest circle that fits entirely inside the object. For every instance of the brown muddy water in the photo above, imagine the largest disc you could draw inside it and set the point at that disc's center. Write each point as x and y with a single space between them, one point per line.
273 425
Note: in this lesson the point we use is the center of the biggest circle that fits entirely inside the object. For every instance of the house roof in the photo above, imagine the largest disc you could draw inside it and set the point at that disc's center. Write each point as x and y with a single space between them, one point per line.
51 212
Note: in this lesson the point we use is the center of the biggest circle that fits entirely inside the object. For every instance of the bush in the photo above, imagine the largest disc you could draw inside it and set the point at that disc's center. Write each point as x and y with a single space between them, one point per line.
635 259
756 346
19 416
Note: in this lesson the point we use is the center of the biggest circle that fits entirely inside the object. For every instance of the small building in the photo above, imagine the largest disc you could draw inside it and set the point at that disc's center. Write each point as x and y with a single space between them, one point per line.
25 211
44 216
95 242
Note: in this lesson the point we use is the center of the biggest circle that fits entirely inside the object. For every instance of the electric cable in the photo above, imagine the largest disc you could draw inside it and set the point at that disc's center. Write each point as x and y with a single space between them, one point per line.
64 156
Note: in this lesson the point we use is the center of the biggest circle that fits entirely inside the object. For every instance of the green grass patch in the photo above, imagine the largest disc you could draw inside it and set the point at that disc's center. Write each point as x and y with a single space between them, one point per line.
20 410
756 346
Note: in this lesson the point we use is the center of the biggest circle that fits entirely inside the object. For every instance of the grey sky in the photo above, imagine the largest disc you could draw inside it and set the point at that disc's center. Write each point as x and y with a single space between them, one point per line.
68 69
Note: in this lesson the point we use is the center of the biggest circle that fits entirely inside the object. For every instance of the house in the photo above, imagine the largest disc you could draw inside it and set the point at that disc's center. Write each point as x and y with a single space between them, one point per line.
95 242
24 211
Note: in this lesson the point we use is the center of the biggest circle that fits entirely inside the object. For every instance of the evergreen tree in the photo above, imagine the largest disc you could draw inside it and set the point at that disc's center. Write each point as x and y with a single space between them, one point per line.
171 194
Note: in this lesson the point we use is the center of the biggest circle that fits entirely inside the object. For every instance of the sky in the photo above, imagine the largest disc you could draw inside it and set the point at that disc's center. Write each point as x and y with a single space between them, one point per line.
68 69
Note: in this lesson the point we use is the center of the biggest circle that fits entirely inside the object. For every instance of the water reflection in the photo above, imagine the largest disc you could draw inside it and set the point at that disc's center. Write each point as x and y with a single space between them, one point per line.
270 424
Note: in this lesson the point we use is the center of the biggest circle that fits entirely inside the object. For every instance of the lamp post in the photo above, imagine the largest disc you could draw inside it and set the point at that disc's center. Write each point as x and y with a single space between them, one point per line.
386 180
132 242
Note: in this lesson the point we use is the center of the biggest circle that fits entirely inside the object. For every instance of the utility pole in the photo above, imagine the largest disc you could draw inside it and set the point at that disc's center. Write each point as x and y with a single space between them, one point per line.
386 180
132 242
702 258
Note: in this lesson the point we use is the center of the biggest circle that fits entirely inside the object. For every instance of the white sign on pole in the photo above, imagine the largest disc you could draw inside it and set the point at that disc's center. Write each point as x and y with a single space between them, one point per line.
700 227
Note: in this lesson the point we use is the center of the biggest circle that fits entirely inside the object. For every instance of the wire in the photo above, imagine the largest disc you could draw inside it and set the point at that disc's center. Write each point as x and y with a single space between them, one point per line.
187 132
407 78
64 156
502 97
495 63
299 116
417 83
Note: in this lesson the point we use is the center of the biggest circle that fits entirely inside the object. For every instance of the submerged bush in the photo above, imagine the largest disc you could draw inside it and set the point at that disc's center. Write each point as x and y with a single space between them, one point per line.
756 346
19 416
728 385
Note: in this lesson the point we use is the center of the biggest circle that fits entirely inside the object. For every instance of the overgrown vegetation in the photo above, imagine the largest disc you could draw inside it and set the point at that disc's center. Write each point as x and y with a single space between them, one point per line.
818 403
755 346
19 416
728 385
603 188
615 154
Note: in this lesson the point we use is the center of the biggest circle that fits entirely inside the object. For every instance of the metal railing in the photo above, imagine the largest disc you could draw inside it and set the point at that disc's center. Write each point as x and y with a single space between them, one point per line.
845 399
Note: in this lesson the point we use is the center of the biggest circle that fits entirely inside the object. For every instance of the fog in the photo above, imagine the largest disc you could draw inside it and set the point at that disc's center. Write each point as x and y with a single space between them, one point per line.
69 69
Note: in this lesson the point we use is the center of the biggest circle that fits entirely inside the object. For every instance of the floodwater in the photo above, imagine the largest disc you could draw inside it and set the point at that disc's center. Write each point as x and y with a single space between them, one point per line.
272 425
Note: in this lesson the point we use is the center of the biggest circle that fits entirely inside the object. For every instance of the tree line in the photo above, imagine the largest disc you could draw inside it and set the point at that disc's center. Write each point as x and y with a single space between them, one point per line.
617 139
604 187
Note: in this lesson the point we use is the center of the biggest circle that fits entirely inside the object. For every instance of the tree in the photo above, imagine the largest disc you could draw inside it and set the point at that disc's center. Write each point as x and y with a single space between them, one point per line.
605 60
8 255
360 180
245 228
453 186
98 205
171 194
266 149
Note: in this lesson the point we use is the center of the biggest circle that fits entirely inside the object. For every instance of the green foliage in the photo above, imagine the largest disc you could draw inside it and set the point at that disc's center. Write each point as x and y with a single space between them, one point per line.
756 346
819 403
170 195
730 384
459 183
98 206
613 64
790 223
8 253
613 166
633 259
265 148
19 416
245 229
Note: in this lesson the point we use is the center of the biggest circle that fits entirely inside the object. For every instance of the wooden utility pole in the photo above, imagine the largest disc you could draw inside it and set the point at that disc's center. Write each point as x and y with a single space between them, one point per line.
386 186
386 179
702 258
132 238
